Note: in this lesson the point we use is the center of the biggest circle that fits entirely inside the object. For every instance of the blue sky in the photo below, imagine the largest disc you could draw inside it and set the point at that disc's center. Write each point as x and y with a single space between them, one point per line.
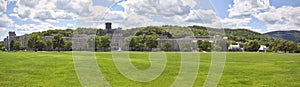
26 16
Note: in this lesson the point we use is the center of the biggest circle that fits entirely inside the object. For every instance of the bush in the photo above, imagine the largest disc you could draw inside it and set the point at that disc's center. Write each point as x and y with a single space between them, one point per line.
2 47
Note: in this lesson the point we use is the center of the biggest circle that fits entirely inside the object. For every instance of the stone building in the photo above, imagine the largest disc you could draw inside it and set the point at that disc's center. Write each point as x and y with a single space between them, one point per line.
23 40
13 37
189 43
236 48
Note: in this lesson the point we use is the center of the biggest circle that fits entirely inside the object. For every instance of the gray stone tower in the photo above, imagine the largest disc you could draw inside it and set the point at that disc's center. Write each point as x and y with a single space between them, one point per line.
108 25
12 34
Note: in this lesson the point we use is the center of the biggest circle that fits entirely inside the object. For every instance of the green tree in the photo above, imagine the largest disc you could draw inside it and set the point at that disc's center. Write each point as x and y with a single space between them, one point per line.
252 46
137 43
274 46
17 45
58 42
289 46
127 42
204 45
298 48
199 43
49 44
151 41
99 42
68 45
36 42
166 46
2 47
284 45
104 42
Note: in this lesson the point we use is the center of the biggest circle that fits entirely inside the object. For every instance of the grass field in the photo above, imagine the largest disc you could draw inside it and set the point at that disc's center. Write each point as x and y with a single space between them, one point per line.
31 69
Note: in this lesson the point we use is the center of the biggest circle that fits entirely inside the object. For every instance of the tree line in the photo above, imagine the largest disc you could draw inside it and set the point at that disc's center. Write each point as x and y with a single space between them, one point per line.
146 38
58 43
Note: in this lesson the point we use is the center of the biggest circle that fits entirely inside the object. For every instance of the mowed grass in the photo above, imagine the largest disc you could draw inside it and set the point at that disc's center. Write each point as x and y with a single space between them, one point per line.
48 69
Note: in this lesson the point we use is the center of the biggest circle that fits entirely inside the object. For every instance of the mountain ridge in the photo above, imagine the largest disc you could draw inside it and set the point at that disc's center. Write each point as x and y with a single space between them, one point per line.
293 35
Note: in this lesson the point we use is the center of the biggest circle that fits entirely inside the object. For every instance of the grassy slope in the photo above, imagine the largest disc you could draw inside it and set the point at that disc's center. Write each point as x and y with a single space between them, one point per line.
57 69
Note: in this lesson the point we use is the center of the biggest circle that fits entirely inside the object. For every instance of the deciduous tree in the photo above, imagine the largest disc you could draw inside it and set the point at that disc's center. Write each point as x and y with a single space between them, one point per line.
166 46
17 45
49 44
252 46
298 48
36 42
289 46
58 41
151 41
2 47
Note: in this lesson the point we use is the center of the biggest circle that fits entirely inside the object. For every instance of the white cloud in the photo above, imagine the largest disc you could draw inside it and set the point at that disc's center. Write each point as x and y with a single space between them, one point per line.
97 14
126 21
191 3
139 13
3 6
33 27
79 7
115 15
209 18
135 20
5 21
29 3
28 28
166 8
42 10
246 8
202 16
236 22
283 18
45 15
115 0
50 11
71 26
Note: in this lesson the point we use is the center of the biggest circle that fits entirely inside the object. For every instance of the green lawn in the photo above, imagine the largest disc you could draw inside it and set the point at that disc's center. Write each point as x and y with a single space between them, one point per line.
31 69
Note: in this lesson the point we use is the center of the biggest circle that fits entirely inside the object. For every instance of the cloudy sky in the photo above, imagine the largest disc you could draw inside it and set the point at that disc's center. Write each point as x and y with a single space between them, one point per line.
26 16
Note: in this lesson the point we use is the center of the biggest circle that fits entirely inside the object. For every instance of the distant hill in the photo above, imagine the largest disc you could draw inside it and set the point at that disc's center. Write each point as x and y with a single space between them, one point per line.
240 35
292 35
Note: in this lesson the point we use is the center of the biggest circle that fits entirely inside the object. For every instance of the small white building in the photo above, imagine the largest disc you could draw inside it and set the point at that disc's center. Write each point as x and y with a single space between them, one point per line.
238 47
234 48
263 48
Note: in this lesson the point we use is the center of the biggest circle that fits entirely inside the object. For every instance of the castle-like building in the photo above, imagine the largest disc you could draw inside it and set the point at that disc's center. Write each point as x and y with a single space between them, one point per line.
117 40
13 37
23 40
114 34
